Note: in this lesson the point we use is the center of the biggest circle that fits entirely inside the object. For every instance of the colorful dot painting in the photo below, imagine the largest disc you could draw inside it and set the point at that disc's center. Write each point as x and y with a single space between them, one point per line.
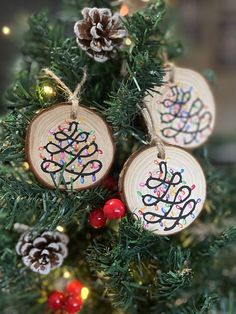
167 195
71 154
183 110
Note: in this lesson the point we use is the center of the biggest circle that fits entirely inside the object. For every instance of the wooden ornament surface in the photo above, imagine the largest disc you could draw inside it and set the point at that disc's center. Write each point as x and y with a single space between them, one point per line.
71 154
166 195
183 109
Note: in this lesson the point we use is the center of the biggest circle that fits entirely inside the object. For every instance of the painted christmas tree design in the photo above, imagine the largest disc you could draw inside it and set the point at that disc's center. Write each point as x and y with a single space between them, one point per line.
184 117
71 154
170 198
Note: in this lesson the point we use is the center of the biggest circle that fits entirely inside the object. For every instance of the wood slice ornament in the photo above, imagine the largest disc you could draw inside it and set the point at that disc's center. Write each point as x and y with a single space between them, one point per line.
69 152
167 195
183 109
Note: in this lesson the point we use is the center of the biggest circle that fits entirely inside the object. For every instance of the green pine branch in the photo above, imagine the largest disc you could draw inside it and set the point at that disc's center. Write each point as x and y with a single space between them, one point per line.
124 265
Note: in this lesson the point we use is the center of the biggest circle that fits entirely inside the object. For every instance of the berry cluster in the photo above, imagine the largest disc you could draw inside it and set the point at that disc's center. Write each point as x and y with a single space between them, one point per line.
68 301
113 209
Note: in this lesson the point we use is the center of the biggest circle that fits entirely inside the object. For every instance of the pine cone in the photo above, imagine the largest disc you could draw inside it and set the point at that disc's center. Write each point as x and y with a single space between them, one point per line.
44 252
99 33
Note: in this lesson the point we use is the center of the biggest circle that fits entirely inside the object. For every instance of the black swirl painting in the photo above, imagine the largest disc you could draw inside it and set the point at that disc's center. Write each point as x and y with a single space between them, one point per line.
71 154
169 191
185 118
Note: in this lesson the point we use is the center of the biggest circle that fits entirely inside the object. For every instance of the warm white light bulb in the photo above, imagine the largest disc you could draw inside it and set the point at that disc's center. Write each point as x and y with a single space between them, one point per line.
128 42
84 293
6 30
60 228
26 165
66 274
48 90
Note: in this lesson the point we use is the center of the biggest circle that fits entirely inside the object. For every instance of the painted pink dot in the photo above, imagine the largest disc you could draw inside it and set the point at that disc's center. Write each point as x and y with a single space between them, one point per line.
95 165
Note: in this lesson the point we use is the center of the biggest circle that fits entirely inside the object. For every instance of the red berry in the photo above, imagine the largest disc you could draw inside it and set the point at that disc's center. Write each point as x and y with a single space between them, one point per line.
73 304
97 218
114 209
56 300
74 287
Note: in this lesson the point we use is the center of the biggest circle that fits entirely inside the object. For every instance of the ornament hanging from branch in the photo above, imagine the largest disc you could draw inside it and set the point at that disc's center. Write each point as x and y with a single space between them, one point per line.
44 252
167 195
183 109
163 186
69 146
100 33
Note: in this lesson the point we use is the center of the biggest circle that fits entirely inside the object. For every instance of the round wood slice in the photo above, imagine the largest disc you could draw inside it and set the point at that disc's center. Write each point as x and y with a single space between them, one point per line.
183 109
69 154
165 195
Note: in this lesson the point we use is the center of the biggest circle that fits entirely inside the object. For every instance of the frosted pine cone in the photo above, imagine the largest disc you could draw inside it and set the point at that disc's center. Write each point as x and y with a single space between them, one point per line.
99 33
43 253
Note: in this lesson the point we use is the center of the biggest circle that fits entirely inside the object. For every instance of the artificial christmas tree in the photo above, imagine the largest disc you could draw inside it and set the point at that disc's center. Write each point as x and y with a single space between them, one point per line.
126 268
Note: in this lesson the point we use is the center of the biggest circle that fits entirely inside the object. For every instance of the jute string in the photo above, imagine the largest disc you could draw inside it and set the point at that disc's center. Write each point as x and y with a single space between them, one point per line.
155 138
168 66
73 97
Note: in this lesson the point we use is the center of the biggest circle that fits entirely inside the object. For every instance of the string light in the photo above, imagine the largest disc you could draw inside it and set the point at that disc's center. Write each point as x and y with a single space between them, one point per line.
128 42
6 30
60 228
48 90
124 10
26 165
66 274
84 293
